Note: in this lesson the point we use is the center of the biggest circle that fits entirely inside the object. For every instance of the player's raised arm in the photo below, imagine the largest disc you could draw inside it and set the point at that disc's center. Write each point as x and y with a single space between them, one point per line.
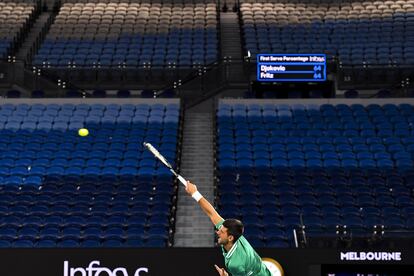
191 189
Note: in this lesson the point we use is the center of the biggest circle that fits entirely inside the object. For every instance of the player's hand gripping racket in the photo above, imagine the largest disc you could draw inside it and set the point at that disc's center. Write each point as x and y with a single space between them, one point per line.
158 155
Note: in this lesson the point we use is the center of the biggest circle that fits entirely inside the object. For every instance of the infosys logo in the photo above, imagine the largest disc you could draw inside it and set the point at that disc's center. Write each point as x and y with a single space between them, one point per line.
94 269
370 256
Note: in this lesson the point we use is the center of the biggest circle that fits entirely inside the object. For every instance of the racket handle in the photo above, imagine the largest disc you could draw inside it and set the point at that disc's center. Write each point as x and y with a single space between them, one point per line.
182 180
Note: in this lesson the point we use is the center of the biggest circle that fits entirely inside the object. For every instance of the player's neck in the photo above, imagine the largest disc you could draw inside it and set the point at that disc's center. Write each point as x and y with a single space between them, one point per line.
228 246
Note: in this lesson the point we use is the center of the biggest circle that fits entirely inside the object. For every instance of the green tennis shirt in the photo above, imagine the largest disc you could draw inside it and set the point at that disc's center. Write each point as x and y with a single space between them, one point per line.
242 259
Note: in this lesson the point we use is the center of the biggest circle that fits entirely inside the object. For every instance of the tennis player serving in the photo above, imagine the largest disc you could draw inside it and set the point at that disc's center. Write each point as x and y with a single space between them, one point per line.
239 256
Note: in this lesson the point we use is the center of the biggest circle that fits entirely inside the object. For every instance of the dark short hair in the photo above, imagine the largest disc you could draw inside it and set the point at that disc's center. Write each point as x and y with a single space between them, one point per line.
234 227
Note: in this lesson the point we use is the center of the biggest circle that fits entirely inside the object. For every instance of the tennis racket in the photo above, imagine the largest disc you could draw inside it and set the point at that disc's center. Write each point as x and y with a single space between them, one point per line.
158 155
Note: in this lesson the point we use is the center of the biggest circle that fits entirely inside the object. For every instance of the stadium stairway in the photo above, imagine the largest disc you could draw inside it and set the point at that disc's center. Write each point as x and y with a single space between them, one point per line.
33 37
193 228
230 36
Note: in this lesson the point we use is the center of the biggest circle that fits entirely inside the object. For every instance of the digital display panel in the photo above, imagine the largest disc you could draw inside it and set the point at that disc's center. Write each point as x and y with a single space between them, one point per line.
366 270
291 67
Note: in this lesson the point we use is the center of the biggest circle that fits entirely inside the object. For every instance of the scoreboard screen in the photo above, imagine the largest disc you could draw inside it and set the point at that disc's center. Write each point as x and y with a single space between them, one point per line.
291 67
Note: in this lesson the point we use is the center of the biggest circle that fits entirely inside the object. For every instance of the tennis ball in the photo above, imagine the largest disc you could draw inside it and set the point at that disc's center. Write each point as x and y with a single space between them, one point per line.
83 132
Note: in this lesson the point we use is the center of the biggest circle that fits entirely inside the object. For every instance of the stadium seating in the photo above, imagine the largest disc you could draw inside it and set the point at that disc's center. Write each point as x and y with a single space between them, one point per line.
14 17
102 190
359 33
282 166
131 34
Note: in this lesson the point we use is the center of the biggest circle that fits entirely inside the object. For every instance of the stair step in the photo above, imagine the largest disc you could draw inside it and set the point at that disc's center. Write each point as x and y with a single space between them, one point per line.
195 221
194 243
195 235
205 236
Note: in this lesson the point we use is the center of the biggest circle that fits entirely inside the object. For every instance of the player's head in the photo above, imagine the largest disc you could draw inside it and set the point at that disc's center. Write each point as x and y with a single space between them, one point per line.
230 231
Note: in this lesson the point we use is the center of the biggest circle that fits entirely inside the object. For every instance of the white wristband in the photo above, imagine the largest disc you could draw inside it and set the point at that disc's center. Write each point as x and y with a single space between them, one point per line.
197 196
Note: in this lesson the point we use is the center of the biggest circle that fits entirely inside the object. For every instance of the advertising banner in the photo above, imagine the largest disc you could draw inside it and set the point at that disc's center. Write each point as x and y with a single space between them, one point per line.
198 262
